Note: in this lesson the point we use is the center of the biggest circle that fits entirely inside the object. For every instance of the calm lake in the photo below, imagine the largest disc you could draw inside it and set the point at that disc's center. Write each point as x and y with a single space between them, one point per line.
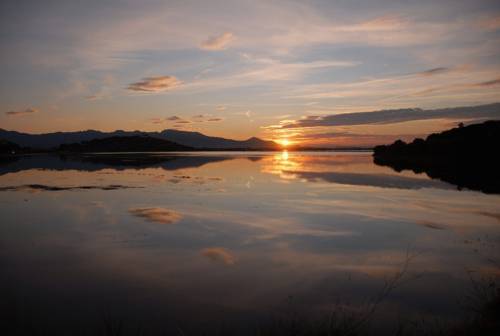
231 241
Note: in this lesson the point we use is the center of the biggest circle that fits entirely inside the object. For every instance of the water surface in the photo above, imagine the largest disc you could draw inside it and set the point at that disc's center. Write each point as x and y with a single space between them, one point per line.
197 241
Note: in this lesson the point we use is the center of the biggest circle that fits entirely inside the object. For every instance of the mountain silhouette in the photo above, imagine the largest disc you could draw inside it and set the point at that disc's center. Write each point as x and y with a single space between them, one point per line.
186 138
199 140
7 147
135 143
464 156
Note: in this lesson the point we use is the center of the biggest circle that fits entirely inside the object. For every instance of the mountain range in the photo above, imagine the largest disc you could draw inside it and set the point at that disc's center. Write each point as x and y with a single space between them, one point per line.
134 143
194 140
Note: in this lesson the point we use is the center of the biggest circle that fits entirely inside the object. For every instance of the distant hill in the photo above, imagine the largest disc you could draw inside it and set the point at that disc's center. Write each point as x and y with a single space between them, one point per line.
465 156
199 140
52 140
7 147
191 139
135 143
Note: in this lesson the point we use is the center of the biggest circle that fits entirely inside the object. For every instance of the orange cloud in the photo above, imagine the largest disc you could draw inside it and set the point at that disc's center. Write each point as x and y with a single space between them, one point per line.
155 84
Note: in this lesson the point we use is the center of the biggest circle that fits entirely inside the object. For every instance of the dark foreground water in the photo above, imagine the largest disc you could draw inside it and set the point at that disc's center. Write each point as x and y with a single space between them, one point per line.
234 243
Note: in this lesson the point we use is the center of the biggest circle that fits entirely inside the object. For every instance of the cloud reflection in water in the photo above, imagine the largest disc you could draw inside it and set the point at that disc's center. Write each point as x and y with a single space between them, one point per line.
157 215
219 254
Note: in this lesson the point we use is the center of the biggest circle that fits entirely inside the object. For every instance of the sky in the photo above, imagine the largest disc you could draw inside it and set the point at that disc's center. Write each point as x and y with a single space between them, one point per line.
296 70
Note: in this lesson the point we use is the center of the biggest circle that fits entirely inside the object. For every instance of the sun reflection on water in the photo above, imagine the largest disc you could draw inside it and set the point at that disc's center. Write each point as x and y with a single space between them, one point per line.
284 155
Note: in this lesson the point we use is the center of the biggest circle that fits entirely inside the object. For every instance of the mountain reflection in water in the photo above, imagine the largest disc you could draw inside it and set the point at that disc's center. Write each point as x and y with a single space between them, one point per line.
208 241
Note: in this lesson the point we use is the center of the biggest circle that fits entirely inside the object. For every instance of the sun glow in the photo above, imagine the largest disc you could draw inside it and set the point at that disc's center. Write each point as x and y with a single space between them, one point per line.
285 142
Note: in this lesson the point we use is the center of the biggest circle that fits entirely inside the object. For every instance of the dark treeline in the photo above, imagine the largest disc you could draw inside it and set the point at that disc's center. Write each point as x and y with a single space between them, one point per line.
466 156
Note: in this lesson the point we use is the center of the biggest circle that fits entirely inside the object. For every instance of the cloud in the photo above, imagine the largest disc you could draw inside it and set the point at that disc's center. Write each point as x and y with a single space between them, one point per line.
157 215
489 83
95 97
434 71
205 118
399 115
491 23
218 42
383 23
173 118
266 71
349 140
219 254
272 69
157 120
455 88
452 83
155 84
22 112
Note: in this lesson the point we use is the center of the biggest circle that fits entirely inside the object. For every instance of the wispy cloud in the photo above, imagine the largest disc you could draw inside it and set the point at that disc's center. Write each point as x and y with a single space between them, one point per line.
183 121
489 83
341 139
461 84
156 214
218 42
205 118
273 69
94 97
219 254
451 88
434 71
266 71
157 120
155 84
22 112
382 23
490 23
178 121
173 118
